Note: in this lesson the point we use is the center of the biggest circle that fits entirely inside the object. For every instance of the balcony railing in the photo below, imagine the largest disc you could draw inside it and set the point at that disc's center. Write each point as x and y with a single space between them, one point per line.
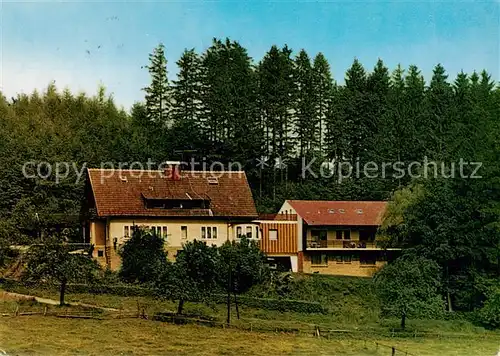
348 244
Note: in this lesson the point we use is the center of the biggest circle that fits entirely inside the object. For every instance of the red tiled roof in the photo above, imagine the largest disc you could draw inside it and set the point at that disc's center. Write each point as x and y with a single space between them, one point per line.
122 193
342 213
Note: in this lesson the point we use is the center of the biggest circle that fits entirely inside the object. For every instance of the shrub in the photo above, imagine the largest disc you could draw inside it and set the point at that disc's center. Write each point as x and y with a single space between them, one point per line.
489 314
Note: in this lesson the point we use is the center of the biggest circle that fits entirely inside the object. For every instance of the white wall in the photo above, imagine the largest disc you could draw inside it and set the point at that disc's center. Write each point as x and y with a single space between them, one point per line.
116 230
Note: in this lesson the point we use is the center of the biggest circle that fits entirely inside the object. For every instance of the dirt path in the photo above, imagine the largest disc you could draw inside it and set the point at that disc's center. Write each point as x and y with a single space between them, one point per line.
17 296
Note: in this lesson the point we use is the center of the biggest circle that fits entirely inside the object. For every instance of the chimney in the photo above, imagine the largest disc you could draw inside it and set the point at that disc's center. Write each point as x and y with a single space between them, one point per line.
173 170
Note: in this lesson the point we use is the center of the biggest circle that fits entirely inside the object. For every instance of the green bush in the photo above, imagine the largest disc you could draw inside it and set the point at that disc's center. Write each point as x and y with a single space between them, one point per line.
281 305
489 314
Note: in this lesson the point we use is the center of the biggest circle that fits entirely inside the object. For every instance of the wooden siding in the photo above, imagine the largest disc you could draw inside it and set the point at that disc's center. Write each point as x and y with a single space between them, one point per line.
100 233
287 238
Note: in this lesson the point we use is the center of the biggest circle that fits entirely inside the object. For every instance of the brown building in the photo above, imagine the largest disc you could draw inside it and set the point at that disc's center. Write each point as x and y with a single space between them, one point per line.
179 206
327 237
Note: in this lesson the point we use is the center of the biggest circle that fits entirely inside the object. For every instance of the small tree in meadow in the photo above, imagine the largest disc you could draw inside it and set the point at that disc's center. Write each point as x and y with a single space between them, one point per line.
241 265
192 276
54 261
409 287
143 257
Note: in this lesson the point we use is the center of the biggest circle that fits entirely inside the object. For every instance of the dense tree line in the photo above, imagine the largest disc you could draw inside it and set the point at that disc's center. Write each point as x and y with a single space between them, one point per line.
224 106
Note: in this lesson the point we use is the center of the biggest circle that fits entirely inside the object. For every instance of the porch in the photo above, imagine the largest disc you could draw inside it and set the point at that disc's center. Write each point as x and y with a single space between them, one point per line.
340 244
339 238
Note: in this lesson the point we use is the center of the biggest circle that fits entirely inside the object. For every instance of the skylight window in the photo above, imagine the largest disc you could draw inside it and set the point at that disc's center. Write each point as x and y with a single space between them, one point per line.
213 180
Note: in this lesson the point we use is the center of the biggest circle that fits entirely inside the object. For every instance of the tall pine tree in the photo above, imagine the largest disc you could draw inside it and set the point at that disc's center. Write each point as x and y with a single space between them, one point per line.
324 91
157 93
186 114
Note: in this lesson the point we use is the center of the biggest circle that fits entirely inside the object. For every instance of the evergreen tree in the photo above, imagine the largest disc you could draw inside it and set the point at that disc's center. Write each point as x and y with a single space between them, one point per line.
157 93
417 127
187 109
438 105
229 101
306 121
378 86
324 88
277 93
354 105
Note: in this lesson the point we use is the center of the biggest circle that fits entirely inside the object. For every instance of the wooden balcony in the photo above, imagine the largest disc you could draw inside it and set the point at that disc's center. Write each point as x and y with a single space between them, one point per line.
341 244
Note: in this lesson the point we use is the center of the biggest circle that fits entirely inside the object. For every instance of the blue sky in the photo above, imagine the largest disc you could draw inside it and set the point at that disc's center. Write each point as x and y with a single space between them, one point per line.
48 40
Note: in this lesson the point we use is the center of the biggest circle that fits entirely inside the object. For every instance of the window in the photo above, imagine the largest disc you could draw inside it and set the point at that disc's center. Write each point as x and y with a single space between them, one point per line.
100 253
339 235
165 230
238 232
158 230
347 234
249 232
208 232
126 232
273 234
256 232
184 232
319 260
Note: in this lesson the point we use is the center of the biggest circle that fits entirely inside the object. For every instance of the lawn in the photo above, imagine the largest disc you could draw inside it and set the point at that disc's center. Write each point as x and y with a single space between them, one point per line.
54 336
49 335
352 327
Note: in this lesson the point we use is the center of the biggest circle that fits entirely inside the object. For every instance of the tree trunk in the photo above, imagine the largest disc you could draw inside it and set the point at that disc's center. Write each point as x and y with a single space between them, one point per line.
448 298
229 296
236 303
180 306
403 321
62 291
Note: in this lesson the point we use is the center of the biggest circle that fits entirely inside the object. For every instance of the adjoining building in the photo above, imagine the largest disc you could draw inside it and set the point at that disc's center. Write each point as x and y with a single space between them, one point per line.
179 206
327 237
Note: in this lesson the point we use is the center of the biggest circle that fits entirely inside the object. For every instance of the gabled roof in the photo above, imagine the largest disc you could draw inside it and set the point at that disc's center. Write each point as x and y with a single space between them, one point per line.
122 193
340 213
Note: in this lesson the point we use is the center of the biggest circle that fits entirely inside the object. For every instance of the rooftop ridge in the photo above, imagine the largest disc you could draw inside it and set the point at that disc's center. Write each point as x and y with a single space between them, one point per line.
338 201
157 170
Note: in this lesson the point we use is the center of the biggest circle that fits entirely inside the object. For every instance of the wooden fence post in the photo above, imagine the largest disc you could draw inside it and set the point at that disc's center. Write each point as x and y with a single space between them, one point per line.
45 311
393 351
17 310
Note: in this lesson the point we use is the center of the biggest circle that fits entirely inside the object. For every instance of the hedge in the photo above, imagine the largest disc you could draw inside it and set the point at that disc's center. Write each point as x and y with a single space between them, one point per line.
282 305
